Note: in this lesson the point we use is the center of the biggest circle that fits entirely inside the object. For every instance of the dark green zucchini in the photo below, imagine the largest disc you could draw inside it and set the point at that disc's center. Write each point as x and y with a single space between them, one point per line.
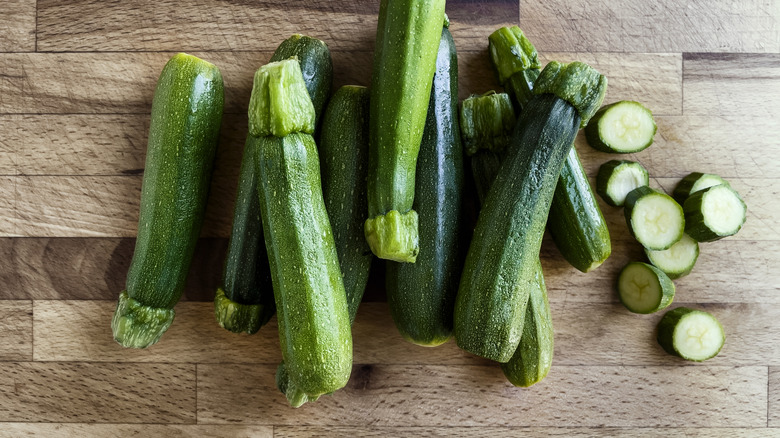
493 294
183 135
484 168
421 295
407 38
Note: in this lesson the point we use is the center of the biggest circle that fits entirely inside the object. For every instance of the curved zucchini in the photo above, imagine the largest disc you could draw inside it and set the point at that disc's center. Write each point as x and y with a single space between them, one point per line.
245 301
183 135
407 38
493 294
421 295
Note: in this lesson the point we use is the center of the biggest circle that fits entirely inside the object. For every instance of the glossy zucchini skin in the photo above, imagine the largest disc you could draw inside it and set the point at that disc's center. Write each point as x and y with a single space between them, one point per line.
314 329
576 223
407 38
421 295
484 168
183 136
491 302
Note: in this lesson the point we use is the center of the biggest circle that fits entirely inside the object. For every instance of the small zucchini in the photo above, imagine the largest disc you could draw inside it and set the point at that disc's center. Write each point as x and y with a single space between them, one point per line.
183 136
616 178
654 219
714 213
644 288
691 334
622 128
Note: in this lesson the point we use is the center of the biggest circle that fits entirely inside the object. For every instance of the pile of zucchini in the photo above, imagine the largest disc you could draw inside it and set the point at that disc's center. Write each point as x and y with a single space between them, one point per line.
328 181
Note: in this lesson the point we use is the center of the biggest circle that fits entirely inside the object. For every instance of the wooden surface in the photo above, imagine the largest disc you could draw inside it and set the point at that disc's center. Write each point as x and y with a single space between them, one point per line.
76 82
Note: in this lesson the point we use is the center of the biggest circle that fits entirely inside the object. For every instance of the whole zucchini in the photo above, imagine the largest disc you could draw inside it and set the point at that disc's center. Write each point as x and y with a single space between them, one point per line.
493 294
314 330
407 38
421 295
245 302
183 135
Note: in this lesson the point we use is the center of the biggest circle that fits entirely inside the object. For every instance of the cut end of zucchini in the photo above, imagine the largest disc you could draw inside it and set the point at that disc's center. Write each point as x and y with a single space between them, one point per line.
644 288
237 317
487 122
714 213
394 236
280 104
678 260
138 326
654 218
511 52
617 178
691 334
577 83
695 182
622 127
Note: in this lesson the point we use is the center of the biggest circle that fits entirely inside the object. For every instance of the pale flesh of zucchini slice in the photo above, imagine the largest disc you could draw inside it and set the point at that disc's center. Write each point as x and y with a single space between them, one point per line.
715 213
695 182
691 334
655 219
644 288
617 178
624 127
678 260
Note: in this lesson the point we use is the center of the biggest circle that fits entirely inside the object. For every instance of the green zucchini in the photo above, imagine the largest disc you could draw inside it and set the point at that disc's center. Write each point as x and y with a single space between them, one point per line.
616 178
714 213
484 168
691 334
654 219
493 293
622 128
644 288
314 330
407 39
533 357
678 260
693 183
245 302
183 135
421 295
486 122
576 223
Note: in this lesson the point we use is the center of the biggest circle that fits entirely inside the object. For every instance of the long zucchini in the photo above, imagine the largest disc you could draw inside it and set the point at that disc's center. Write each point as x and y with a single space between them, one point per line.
421 295
245 301
407 38
183 135
576 223
314 330
493 294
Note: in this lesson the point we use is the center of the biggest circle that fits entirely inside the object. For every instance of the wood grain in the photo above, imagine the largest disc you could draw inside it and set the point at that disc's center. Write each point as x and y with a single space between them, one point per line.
16 330
663 26
80 430
512 432
387 395
773 409
17 27
85 392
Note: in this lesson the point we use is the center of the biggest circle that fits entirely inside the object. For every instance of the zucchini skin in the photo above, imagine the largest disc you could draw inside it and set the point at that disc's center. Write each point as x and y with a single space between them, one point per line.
576 223
407 39
493 294
421 295
314 330
183 135
484 168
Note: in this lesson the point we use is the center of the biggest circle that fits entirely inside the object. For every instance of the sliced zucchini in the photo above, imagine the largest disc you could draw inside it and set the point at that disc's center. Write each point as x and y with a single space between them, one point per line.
621 128
654 218
695 182
714 213
617 178
678 260
691 334
644 288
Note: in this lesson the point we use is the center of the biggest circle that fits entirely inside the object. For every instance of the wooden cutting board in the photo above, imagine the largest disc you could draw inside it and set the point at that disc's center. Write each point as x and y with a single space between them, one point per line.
76 83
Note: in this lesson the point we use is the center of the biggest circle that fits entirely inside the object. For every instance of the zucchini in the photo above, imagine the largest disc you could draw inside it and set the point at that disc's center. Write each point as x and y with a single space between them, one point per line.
654 219
693 183
622 128
314 330
533 358
493 293
183 135
486 122
691 334
484 168
714 213
245 302
644 288
678 260
575 222
616 178
407 39
421 295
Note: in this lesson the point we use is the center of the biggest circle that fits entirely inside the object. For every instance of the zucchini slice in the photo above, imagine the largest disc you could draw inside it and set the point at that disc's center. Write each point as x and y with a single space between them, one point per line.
621 128
617 178
695 182
691 334
678 260
714 213
644 288
654 218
